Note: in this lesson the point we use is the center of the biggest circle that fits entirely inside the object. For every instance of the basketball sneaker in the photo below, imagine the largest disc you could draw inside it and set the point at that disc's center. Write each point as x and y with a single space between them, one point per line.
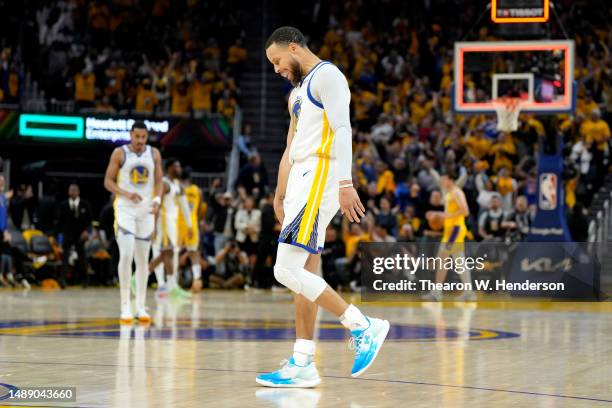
126 317
177 292
291 375
143 316
367 344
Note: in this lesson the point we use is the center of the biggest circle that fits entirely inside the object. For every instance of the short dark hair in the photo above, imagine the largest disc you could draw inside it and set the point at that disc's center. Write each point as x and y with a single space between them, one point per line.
285 35
170 162
139 124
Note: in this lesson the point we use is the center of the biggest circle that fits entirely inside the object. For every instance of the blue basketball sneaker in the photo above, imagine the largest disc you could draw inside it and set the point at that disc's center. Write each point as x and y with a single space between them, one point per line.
291 376
367 344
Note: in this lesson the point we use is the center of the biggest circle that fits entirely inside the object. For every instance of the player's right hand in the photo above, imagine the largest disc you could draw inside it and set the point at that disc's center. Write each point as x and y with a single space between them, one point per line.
134 197
350 204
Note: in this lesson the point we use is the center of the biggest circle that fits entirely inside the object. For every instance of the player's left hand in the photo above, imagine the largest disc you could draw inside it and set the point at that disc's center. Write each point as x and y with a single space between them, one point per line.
154 208
350 204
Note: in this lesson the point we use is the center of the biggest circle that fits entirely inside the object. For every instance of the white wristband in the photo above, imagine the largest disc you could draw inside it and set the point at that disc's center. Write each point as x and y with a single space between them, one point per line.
157 200
345 185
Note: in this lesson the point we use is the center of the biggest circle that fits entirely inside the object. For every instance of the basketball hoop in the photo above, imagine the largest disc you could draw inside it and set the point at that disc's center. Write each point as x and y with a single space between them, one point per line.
508 110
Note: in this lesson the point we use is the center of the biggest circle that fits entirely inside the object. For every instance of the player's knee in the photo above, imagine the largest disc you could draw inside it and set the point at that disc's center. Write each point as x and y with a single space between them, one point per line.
286 277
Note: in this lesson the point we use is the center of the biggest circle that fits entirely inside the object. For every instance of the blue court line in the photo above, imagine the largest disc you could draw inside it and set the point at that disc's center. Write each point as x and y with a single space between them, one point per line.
468 387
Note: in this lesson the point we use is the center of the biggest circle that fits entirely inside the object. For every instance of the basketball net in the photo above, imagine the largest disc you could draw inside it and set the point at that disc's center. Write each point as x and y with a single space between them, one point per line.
508 110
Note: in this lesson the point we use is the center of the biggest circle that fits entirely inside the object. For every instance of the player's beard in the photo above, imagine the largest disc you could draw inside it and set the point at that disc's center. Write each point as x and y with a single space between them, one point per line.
296 73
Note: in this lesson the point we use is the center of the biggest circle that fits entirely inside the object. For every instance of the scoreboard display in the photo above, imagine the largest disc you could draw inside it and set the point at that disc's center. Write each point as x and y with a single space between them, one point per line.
520 11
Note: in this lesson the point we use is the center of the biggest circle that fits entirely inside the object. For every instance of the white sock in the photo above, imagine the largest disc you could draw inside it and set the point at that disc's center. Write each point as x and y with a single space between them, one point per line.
196 270
141 258
303 352
125 242
353 319
159 269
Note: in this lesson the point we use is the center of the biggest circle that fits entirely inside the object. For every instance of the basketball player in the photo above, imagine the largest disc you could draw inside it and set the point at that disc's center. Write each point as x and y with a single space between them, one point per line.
314 180
134 176
189 238
453 235
165 250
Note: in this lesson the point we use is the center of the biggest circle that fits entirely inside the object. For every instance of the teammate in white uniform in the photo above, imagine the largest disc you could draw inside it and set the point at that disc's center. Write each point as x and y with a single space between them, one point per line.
314 180
166 246
134 176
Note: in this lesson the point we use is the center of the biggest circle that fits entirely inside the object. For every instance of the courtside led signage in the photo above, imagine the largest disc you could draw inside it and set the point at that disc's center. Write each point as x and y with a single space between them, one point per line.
118 130
51 126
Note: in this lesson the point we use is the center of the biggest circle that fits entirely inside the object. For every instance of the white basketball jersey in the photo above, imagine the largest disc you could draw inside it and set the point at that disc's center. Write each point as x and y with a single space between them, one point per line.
137 175
170 200
313 136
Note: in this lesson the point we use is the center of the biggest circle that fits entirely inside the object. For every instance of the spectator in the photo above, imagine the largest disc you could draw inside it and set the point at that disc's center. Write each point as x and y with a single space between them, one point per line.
248 227
333 259
5 236
519 221
230 266
253 177
221 219
490 226
266 248
74 225
23 205
246 144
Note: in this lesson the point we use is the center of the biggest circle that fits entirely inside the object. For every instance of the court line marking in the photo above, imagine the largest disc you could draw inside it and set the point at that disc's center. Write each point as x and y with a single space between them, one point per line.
469 387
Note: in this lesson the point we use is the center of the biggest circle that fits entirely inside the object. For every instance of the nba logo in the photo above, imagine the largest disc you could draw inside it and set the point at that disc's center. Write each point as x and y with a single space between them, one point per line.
548 191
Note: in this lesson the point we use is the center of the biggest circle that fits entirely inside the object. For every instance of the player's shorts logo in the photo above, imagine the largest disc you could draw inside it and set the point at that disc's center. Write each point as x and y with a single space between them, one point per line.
139 175
548 191
295 110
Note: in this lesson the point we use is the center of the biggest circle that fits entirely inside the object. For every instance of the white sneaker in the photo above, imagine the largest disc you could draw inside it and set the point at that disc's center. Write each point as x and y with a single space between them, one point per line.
126 317
467 296
367 344
143 316
291 376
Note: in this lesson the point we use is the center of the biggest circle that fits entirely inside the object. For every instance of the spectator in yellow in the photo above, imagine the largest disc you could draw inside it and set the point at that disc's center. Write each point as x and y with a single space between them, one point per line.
504 151
84 89
181 100
236 56
392 107
419 108
364 100
586 105
386 180
146 100
478 145
226 106
104 106
201 92
352 235
596 130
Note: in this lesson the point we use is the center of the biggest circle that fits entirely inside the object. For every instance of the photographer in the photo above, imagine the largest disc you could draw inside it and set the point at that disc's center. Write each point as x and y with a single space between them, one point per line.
230 265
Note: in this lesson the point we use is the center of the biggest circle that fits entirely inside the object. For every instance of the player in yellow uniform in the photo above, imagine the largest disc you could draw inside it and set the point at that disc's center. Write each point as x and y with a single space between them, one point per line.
190 238
453 236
